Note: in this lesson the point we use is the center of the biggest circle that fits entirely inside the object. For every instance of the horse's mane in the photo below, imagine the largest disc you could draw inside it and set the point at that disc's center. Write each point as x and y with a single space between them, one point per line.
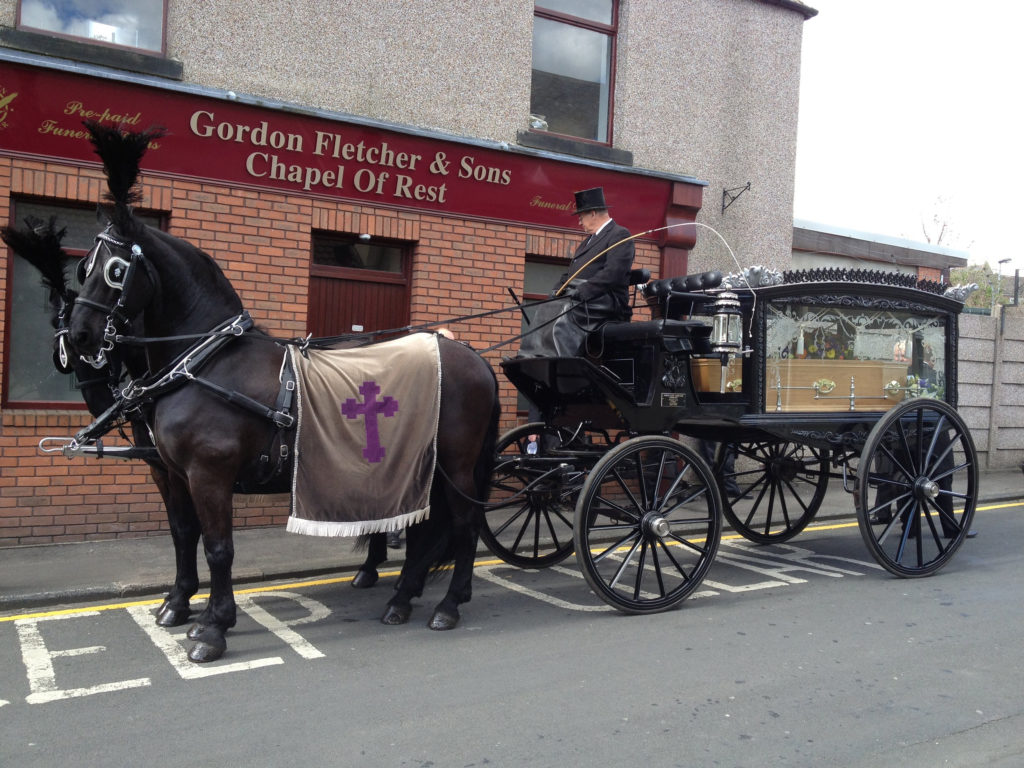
204 269
40 245
121 151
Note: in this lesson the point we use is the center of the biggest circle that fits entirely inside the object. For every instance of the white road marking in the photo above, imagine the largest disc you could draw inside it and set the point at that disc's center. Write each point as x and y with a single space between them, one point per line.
38 660
487 573
283 630
174 651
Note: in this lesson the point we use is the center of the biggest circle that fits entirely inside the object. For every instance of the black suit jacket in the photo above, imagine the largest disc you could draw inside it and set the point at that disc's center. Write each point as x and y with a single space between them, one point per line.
609 272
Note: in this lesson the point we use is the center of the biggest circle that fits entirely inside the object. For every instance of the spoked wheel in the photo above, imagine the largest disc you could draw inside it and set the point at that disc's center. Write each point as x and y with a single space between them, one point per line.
917 487
771 488
648 524
529 515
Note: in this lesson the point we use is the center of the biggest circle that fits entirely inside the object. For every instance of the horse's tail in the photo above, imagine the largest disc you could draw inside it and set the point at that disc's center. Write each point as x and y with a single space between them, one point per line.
484 467
121 152
40 245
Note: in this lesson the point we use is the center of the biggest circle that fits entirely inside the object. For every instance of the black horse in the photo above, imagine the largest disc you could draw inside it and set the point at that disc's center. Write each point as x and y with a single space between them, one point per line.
212 436
40 244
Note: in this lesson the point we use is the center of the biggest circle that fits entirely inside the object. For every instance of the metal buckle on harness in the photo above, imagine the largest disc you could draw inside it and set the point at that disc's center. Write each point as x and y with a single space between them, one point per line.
109 335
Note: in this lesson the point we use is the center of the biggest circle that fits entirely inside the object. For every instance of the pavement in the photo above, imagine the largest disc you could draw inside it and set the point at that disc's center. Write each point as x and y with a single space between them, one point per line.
55 574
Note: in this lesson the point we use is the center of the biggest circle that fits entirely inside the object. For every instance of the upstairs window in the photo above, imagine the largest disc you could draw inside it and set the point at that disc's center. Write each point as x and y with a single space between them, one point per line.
134 24
573 68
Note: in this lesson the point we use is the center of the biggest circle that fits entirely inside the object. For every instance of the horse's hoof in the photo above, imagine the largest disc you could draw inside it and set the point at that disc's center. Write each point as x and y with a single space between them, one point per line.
166 616
364 579
203 652
396 615
443 620
210 643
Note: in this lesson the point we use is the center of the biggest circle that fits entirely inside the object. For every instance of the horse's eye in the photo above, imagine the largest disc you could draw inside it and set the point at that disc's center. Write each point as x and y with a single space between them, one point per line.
82 272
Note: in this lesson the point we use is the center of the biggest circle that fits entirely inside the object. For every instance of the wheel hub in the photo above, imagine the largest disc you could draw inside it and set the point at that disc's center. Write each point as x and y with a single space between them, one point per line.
657 526
926 488
783 469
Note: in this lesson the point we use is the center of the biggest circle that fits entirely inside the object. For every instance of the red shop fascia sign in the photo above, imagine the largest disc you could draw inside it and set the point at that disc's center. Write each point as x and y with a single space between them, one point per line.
42 111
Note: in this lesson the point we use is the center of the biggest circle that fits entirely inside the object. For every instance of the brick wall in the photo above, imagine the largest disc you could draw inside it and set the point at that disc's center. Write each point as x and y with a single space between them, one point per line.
262 240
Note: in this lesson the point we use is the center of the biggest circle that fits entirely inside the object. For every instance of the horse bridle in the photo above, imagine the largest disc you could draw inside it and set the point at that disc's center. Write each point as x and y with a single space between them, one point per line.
118 273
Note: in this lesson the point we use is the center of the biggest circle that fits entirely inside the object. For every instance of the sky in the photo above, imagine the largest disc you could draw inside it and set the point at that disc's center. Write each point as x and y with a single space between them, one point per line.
912 109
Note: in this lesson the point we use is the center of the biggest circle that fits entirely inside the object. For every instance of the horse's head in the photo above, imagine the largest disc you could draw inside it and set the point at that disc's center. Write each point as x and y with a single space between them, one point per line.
118 284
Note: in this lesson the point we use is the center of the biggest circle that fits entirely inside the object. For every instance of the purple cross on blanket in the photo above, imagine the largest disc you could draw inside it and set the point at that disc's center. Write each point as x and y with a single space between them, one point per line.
370 408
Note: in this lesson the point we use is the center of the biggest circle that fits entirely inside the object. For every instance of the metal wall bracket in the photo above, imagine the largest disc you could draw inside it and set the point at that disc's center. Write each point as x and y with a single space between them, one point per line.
730 196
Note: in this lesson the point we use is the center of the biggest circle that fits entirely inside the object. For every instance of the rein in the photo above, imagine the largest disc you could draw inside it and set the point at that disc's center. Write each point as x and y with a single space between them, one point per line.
326 342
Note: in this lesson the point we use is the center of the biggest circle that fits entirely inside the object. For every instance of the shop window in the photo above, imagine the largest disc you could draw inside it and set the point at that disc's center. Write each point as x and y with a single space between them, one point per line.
30 379
573 68
134 24
541 277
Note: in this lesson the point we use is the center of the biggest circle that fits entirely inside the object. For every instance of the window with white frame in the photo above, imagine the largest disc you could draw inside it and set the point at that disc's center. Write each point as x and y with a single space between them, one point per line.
137 24
573 68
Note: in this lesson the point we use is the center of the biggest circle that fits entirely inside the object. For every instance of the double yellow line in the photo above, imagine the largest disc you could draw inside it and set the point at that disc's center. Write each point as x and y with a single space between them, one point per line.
383 574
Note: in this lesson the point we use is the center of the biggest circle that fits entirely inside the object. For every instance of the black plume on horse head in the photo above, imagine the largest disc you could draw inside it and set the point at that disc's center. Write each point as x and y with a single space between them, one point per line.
40 245
121 152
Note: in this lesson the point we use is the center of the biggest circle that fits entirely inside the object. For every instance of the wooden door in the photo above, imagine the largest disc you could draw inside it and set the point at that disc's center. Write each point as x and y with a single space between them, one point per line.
370 293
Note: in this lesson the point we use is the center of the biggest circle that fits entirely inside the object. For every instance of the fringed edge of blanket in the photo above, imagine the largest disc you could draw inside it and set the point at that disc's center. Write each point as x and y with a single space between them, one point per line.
358 528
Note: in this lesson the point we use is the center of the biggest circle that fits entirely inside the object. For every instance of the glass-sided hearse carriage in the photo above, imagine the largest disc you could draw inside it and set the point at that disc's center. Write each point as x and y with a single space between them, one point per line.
798 378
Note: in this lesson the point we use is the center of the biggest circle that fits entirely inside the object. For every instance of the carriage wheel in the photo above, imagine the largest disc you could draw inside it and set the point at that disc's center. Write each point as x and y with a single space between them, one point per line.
532 529
648 524
772 488
917 487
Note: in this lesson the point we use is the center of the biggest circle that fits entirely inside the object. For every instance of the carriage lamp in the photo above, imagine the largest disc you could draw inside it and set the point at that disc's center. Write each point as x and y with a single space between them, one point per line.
726 330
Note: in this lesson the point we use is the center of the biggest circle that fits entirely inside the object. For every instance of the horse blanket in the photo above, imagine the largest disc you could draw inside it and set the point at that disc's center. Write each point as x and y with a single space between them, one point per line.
366 444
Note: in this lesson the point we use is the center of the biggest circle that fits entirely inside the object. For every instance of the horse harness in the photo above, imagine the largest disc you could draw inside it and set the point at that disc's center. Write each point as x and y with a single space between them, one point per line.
137 395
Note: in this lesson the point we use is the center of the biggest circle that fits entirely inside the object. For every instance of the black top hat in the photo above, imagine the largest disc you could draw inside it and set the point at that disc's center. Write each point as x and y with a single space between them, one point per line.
590 200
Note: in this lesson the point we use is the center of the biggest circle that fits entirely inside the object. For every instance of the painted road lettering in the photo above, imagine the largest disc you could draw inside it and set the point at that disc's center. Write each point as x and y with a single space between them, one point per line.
283 629
38 658
282 612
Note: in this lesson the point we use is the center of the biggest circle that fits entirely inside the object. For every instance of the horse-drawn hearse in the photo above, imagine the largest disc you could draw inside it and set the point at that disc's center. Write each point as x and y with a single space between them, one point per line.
798 377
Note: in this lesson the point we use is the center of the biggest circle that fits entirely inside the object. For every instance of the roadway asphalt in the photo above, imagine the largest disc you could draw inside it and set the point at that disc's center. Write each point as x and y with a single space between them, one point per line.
34 576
